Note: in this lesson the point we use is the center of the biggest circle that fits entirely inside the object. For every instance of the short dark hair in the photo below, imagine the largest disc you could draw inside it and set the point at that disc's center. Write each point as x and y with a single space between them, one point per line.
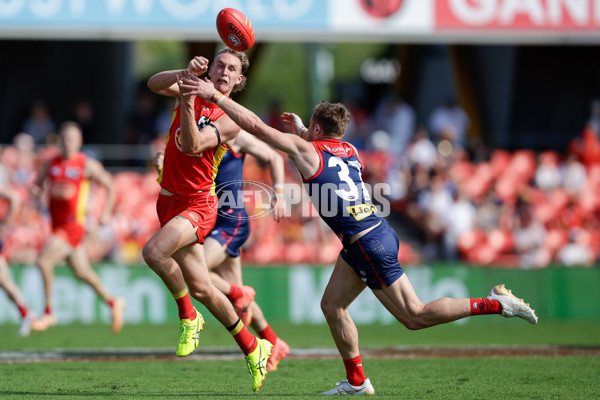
245 65
332 117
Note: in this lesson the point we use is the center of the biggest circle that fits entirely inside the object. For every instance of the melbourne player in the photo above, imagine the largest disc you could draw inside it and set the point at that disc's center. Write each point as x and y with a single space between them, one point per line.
369 257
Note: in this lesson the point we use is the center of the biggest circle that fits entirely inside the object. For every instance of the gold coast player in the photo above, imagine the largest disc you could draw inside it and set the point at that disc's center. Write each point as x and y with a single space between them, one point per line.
199 136
68 176
332 172
222 247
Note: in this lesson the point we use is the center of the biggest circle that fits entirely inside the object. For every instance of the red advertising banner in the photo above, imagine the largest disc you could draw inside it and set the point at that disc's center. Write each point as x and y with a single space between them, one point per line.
518 15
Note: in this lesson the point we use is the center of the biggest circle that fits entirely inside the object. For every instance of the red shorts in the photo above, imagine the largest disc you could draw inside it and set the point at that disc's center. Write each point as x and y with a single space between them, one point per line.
200 210
71 233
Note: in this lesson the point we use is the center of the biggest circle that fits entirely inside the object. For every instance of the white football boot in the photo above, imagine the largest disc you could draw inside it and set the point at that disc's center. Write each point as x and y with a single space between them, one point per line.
512 306
344 388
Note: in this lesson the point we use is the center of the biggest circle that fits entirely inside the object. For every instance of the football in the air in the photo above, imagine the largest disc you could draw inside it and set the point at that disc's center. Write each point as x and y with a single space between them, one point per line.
235 29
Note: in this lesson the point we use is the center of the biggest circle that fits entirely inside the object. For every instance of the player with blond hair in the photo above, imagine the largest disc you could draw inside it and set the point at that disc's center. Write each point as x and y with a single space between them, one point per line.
198 139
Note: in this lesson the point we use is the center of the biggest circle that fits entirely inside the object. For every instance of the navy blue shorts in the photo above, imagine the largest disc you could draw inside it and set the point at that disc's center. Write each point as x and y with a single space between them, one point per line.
232 231
374 257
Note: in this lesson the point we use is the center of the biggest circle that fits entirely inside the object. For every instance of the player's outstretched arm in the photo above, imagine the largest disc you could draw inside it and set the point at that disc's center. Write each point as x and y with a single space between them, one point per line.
246 119
267 155
165 83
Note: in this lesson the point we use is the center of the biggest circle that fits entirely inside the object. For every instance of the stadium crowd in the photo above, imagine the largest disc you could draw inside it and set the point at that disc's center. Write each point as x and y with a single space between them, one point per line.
448 200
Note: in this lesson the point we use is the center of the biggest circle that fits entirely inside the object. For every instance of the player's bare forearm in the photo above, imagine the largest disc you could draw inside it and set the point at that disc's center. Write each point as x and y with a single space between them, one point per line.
164 83
277 168
190 135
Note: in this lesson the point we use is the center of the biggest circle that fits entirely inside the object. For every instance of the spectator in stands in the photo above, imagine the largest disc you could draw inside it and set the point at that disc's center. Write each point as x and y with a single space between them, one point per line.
547 173
488 211
435 203
574 175
39 124
574 253
23 173
422 151
460 218
449 121
396 117
530 236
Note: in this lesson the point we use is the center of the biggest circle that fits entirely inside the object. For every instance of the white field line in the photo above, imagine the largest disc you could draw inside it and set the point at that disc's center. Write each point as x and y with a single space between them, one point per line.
200 354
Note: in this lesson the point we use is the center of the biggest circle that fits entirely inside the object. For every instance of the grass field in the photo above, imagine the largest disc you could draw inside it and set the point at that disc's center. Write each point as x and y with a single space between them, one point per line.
414 378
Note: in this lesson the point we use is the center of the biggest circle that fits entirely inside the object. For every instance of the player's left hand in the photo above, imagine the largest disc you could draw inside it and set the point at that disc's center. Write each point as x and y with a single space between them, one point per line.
293 123
191 85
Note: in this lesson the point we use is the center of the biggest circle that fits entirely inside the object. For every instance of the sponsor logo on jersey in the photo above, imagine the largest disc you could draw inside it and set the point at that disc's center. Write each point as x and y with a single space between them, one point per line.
337 150
361 211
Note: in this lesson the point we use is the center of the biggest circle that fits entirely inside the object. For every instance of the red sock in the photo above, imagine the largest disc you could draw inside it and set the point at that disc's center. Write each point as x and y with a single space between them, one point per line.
354 371
111 303
184 305
268 334
243 337
485 306
22 310
48 309
235 293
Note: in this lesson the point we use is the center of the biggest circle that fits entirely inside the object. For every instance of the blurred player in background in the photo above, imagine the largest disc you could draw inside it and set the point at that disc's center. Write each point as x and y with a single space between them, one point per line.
332 173
6 282
67 178
232 229
199 137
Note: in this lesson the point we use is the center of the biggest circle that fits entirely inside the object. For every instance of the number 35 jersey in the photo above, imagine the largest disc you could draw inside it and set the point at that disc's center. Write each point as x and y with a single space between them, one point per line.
338 191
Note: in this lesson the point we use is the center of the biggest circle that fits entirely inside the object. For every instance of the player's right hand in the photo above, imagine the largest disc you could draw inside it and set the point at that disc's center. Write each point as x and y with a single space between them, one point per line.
198 65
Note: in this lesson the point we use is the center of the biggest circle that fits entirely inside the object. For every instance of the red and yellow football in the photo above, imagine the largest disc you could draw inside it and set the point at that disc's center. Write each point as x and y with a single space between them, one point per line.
235 29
